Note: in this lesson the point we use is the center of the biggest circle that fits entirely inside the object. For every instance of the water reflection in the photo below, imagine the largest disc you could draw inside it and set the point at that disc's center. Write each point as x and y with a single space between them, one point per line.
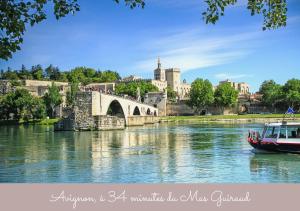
170 153
274 167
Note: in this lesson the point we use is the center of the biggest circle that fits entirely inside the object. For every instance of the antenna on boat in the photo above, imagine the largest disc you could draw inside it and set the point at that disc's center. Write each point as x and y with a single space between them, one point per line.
290 112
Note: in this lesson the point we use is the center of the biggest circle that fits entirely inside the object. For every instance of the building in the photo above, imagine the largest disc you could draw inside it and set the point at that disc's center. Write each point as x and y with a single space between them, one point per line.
170 77
242 87
161 85
131 78
158 100
108 88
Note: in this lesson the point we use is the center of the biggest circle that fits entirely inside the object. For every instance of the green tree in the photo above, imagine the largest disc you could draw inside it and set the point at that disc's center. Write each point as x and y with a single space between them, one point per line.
52 73
24 73
171 94
76 75
131 88
52 99
273 11
37 108
107 76
271 92
63 76
291 93
37 72
16 16
72 93
1 74
201 94
10 75
22 105
225 96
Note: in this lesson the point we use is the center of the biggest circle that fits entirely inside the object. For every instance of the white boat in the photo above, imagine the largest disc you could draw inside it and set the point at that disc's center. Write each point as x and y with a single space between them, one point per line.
281 137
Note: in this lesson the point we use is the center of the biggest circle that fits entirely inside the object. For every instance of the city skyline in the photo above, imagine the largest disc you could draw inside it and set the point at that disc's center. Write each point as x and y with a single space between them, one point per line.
110 36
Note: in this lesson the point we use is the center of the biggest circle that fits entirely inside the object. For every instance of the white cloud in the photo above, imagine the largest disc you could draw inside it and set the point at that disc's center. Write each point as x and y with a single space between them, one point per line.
224 76
193 49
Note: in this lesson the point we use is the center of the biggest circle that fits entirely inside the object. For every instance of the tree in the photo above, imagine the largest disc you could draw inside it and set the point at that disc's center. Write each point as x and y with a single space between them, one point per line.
225 96
37 108
52 99
1 74
106 76
273 11
291 93
131 88
72 93
171 94
52 73
16 16
271 92
37 72
10 75
22 105
201 94
24 73
76 75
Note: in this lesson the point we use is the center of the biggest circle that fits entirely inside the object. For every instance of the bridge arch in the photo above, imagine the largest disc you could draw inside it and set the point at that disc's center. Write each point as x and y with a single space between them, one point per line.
115 109
148 111
136 111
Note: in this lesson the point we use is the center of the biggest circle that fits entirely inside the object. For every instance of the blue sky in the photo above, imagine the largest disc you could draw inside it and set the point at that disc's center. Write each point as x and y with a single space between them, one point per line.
105 35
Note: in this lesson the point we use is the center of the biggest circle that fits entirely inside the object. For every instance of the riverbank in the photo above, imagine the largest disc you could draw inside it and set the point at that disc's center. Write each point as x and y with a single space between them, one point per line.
20 122
249 118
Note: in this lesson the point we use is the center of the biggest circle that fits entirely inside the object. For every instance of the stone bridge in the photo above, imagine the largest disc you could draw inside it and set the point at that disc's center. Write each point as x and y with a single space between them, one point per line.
100 104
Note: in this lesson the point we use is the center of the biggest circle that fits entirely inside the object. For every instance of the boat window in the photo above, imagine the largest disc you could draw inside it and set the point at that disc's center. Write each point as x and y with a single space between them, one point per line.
271 132
293 131
283 132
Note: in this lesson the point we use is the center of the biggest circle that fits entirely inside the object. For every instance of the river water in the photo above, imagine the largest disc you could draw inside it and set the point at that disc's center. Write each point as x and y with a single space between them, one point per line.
160 153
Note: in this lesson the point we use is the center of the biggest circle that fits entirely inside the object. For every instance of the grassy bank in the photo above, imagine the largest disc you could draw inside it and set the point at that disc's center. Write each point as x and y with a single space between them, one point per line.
247 117
39 122
48 121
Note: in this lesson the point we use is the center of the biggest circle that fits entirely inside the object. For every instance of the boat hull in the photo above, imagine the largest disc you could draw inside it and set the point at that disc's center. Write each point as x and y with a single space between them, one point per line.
275 147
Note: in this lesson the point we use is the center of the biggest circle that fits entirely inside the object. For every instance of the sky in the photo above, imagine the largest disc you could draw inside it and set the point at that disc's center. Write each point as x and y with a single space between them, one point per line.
105 35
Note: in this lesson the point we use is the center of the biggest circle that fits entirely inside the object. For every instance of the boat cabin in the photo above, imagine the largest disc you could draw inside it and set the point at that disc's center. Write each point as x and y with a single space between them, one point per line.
283 132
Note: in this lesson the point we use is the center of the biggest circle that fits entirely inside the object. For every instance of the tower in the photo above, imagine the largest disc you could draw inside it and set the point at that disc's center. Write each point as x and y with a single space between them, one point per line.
159 73
173 78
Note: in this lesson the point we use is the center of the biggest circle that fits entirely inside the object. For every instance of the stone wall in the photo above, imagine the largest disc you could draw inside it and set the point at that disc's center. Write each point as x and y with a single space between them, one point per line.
109 123
179 109
158 100
43 83
142 120
5 87
182 109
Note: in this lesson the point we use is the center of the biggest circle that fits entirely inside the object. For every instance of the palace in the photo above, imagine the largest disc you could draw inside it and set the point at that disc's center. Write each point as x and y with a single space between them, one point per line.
170 77
164 78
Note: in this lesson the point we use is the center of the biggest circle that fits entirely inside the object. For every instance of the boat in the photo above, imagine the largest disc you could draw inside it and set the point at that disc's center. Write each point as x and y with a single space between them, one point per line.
277 137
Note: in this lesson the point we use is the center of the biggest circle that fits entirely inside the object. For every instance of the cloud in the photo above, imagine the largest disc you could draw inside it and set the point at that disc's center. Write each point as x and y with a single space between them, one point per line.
224 76
190 49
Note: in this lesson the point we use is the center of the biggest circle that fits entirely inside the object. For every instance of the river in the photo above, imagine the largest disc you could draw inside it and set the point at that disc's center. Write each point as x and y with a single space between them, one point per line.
160 153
